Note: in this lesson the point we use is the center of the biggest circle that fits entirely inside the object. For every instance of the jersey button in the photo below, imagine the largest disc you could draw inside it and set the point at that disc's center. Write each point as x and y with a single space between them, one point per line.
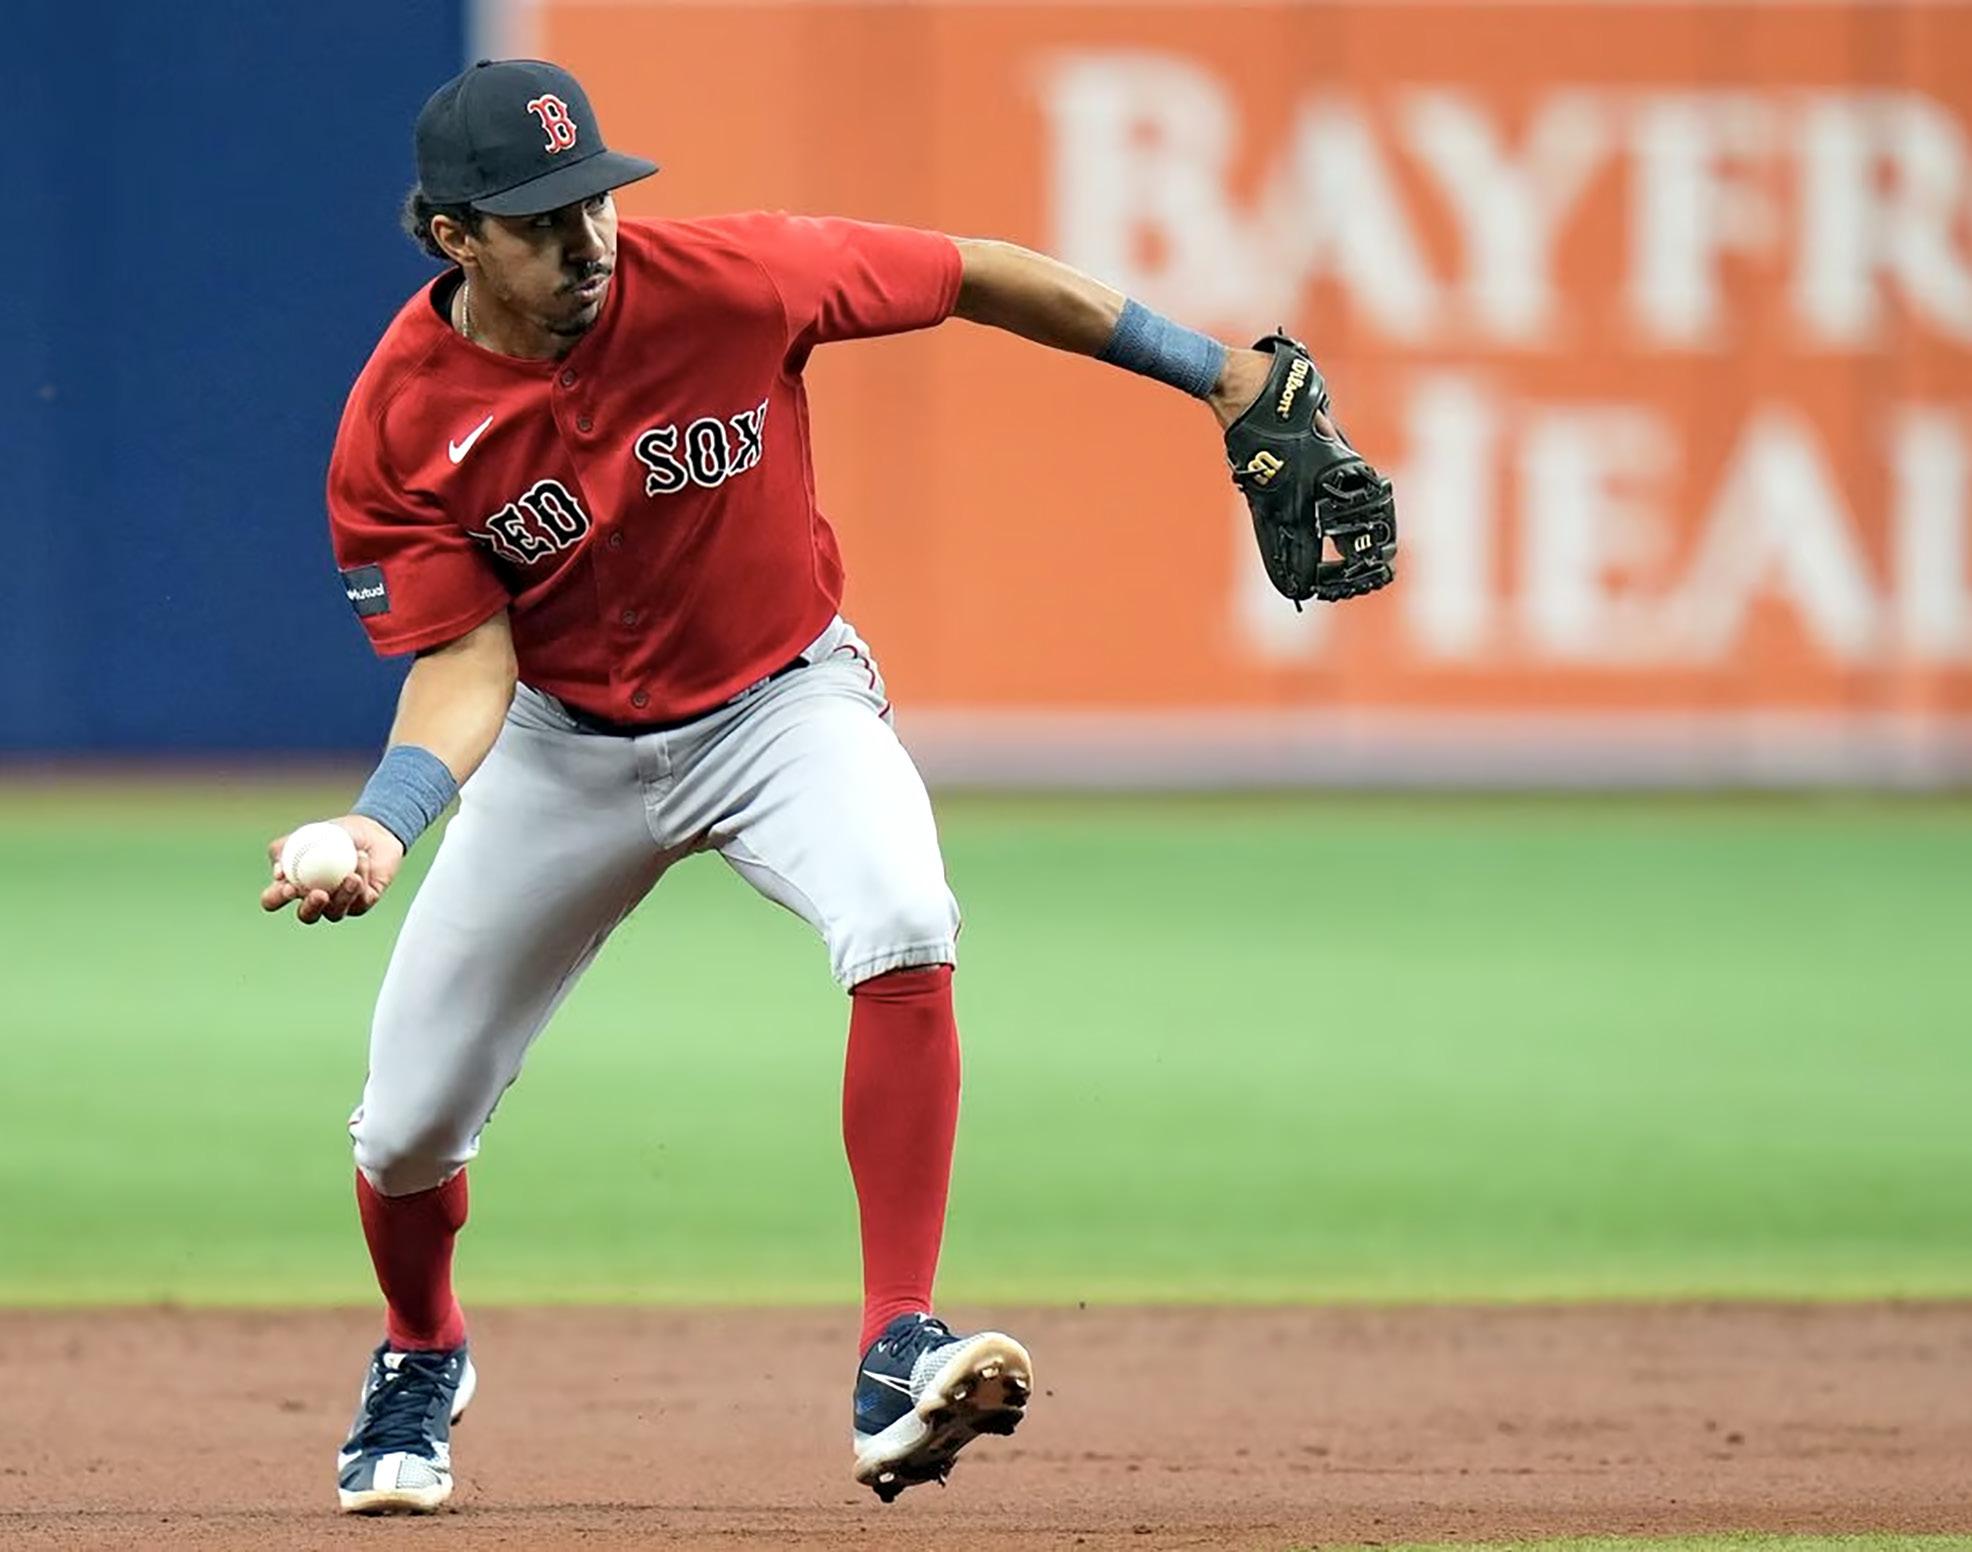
616 541
640 700
583 423
568 379
629 616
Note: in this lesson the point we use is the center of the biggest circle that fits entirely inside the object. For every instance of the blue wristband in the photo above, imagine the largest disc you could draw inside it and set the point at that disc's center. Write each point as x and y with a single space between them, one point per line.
1152 345
407 792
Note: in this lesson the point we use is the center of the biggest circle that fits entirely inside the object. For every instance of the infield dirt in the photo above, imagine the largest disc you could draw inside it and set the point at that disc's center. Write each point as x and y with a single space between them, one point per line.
611 1428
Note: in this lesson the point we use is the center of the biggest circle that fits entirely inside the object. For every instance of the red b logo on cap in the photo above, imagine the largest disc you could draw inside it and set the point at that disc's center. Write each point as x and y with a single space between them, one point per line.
553 114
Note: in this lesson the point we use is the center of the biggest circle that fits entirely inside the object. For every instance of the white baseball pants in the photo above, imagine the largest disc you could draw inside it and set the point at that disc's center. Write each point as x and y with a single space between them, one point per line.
799 784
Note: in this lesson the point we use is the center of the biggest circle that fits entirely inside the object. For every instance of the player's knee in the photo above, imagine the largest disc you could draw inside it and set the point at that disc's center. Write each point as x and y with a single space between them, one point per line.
399 1161
909 927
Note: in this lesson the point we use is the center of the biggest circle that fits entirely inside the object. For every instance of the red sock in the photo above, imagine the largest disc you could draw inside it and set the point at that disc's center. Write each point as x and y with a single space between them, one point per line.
900 1111
411 1247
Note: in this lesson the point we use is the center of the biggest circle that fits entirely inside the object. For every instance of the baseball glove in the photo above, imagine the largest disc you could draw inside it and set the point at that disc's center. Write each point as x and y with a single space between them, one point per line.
1304 488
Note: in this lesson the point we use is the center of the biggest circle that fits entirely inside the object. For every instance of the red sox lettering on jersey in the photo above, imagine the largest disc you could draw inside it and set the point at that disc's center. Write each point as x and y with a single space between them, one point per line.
644 506
714 450
548 518
544 521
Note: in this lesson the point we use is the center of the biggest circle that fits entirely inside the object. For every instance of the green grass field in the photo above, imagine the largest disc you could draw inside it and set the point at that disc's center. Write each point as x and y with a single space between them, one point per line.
1255 1049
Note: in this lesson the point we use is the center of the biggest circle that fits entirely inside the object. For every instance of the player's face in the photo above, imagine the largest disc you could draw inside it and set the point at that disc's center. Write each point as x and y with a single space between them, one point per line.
551 269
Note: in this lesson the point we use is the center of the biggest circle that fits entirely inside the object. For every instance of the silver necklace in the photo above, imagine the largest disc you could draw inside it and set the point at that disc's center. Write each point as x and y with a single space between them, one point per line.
465 308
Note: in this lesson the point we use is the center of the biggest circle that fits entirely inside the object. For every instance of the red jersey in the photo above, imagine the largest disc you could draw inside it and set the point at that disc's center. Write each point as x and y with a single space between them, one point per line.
645 506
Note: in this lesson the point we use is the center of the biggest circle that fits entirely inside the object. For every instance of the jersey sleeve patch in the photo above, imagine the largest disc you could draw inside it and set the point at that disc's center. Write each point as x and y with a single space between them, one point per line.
364 587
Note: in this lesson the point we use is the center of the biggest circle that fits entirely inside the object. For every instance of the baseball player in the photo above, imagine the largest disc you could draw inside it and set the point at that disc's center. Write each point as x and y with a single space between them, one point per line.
574 483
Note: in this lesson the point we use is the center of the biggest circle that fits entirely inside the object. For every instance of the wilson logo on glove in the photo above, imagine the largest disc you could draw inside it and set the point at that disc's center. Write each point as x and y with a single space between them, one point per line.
1263 466
1297 374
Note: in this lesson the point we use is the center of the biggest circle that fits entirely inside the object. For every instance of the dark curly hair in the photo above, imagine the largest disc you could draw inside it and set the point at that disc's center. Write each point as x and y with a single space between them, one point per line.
416 216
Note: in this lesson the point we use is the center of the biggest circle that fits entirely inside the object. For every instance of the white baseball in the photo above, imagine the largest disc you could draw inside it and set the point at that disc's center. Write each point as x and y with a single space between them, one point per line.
319 856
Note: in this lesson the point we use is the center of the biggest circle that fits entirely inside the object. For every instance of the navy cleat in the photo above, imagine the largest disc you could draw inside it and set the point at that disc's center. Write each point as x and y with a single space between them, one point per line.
923 1393
398 1457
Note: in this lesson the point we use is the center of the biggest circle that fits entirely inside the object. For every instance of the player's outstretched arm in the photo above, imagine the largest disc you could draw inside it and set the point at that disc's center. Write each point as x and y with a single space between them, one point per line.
451 709
1006 286
1324 519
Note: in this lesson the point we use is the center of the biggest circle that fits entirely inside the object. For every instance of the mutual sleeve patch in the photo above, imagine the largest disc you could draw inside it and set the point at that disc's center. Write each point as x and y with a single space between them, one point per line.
363 586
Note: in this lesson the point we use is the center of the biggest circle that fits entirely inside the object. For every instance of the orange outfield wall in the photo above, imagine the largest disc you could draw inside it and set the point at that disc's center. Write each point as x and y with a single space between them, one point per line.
1658 315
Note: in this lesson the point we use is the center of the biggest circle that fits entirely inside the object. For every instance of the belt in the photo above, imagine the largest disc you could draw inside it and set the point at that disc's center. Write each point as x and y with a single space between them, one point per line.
592 723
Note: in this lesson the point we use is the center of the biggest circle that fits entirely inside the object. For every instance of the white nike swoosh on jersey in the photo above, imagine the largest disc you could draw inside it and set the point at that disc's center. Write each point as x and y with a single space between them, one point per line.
458 450
901 1386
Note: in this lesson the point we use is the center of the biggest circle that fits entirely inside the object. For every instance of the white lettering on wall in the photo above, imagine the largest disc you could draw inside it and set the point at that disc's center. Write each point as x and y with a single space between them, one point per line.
1886 196
1777 528
1855 196
1509 209
1931 461
1694 201
1580 497
1334 206
1448 493
1140 145
1435 226
1592 483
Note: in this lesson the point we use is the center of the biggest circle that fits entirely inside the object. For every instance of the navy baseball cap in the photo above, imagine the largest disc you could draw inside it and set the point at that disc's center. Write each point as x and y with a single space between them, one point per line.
516 137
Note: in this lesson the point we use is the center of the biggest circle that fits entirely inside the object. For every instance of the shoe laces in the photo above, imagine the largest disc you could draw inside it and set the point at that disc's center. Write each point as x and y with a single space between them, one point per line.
928 1334
402 1403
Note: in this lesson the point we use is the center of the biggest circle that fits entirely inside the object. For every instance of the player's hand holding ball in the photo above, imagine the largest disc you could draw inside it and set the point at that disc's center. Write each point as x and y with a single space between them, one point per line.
318 856
334 868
